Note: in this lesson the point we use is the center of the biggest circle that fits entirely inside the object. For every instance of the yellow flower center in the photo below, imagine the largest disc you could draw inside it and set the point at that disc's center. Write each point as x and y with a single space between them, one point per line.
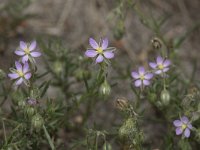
161 67
142 77
99 50
183 126
27 51
20 73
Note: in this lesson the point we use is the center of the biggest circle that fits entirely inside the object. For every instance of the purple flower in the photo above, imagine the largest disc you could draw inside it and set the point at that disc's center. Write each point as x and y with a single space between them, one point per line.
27 51
161 65
32 101
99 51
183 126
141 77
21 73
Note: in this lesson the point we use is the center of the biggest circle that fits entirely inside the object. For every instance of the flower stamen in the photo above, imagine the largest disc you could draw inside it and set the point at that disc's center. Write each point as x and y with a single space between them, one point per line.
99 50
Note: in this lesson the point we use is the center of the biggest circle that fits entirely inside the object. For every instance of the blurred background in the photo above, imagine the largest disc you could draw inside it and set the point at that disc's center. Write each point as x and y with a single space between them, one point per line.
122 21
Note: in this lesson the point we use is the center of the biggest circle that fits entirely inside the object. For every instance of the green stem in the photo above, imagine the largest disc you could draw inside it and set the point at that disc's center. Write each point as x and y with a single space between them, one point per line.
48 138
4 131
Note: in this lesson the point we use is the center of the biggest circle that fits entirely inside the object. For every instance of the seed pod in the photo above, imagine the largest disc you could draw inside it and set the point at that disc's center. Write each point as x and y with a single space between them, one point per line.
105 88
122 103
156 43
165 97
37 121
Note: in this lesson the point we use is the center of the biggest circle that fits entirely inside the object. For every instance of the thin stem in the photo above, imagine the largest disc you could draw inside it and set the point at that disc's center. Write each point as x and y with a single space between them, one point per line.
4 131
48 138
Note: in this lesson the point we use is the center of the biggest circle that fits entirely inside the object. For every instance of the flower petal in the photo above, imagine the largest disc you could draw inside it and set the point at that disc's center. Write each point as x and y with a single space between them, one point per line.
179 130
184 119
165 69
158 72
141 70
148 76
35 54
153 65
13 75
20 53
25 58
187 132
23 45
32 45
135 75
166 63
18 66
91 53
146 82
177 123
93 43
26 67
108 54
19 81
27 76
189 125
159 60
104 44
138 83
99 59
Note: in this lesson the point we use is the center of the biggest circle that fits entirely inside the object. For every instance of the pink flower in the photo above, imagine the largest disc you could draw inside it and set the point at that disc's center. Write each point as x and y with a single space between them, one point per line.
27 51
183 126
161 65
21 73
141 77
100 51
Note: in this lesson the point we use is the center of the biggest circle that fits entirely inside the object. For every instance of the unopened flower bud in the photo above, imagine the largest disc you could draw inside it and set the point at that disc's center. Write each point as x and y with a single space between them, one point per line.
58 67
29 111
37 121
156 43
107 146
165 97
119 30
21 104
81 74
31 101
105 88
2 74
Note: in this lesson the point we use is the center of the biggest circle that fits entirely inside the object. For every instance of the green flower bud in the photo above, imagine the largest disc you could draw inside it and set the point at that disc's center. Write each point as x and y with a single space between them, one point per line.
80 74
128 128
119 30
37 121
165 97
29 111
107 146
2 74
21 104
105 88
58 67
